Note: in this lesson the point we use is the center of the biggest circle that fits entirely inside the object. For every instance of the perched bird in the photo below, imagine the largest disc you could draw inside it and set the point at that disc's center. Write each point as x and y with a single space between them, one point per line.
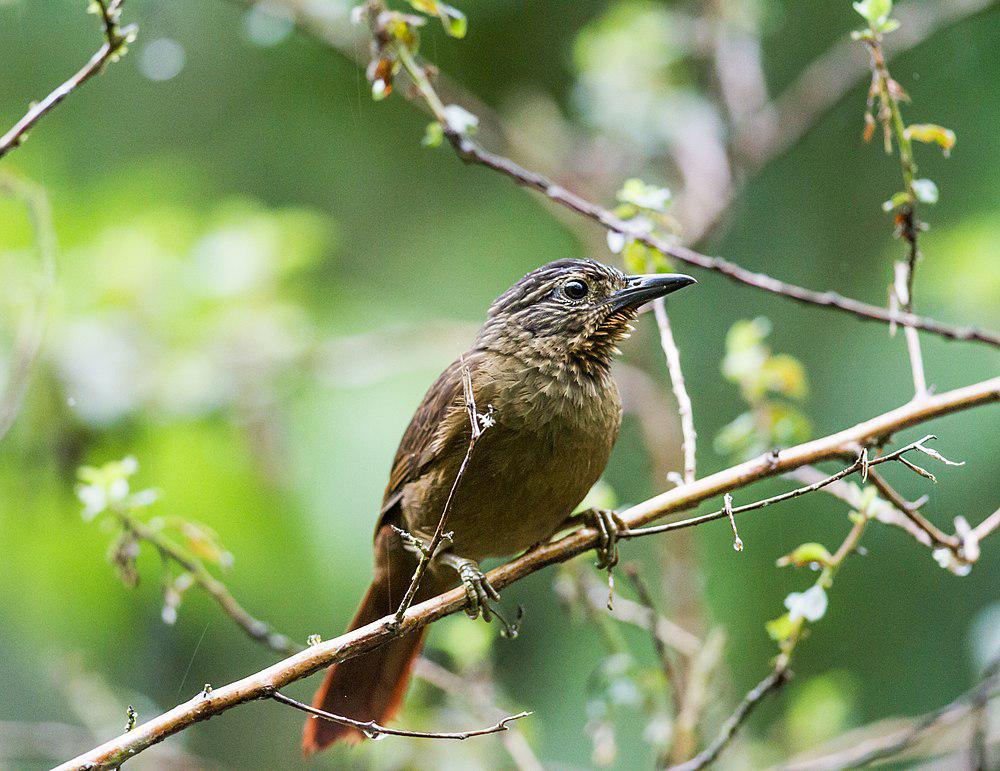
542 362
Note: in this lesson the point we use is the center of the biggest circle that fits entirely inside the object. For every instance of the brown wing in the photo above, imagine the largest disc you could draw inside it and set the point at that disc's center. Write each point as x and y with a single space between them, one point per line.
421 441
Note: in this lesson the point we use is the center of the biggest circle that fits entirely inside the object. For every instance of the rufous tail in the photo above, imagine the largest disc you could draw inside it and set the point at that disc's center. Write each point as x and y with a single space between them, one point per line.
372 686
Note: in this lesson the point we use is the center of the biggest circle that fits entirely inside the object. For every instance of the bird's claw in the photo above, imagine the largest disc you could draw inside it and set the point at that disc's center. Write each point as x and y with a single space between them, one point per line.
478 589
609 527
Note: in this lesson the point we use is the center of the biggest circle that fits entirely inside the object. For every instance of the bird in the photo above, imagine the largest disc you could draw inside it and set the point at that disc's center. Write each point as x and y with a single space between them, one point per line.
541 367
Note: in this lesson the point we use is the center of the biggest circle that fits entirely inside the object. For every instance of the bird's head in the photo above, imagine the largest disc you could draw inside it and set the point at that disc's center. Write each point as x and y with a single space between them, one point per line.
573 308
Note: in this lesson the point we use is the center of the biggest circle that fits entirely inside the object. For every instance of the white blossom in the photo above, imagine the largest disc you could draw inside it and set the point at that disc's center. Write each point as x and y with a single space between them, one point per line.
809 605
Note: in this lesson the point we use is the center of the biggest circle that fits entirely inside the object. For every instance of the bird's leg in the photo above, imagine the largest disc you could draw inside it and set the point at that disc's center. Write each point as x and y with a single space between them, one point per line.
609 526
477 587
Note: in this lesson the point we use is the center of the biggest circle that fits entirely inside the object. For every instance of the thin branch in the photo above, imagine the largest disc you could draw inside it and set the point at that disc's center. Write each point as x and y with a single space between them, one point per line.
430 551
684 409
254 628
29 338
595 593
861 464
373 729
268 681
769 684
863 753
987 526
454 685
670 672
470 152
116 41
778 125
913 513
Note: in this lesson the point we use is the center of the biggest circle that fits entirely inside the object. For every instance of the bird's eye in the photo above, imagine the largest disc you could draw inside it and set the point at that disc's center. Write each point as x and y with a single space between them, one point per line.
575 289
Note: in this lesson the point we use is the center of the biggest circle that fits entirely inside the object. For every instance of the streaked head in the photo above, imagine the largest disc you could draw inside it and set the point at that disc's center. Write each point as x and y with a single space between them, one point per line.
579 308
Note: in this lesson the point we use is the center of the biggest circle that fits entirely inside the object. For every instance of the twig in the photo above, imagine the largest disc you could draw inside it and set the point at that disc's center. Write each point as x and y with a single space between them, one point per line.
29 339
116 39
823 83
470 152
373 729
454 685
255 629
908 222
987 526
684 409
595 593
880 748
728 511
771 683
670 672
428 553
695 697
913 513
268 681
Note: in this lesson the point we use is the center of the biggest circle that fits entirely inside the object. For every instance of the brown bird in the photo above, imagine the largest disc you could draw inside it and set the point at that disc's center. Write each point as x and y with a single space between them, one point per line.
542 362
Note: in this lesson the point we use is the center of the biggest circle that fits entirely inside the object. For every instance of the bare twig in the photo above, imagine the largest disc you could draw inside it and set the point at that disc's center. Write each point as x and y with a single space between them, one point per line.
264 683
913 513
254 628
684 409
670 672
430 551
860 754
772 682
729 510
595 593
29 339
116 40
373 729
777 125
477 696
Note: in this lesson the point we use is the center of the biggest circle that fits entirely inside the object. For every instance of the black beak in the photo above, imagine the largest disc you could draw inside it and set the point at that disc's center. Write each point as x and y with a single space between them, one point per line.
641 289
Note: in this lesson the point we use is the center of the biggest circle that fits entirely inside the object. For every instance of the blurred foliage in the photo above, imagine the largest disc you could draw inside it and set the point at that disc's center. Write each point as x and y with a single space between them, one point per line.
770 384
260 272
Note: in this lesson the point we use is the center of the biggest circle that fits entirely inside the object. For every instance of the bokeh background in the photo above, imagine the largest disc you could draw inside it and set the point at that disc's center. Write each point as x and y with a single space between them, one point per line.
260 270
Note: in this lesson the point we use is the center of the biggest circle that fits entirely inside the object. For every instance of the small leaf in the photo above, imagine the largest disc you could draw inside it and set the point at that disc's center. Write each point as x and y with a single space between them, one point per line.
931 133
433 134
925 190
875 12
897 200
783 627
638 193
806 554
889 25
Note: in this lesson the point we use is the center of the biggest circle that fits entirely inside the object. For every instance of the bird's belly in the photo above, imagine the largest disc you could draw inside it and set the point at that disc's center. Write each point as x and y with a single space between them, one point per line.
518 487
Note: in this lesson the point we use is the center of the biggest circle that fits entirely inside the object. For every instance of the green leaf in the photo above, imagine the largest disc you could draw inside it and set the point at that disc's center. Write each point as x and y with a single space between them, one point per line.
897 200
875 12
783 627
644 196
806 554
925 190
931 133
889 25
454 21
433 134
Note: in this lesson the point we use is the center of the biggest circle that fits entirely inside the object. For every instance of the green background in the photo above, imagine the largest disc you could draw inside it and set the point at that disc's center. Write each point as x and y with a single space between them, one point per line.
267 401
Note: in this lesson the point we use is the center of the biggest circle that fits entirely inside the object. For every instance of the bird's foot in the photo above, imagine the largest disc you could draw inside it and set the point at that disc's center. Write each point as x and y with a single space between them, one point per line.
609 528
478 589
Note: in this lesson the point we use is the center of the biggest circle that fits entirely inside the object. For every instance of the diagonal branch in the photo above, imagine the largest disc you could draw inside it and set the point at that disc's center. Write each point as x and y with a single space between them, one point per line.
470 152
265 683
116 41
